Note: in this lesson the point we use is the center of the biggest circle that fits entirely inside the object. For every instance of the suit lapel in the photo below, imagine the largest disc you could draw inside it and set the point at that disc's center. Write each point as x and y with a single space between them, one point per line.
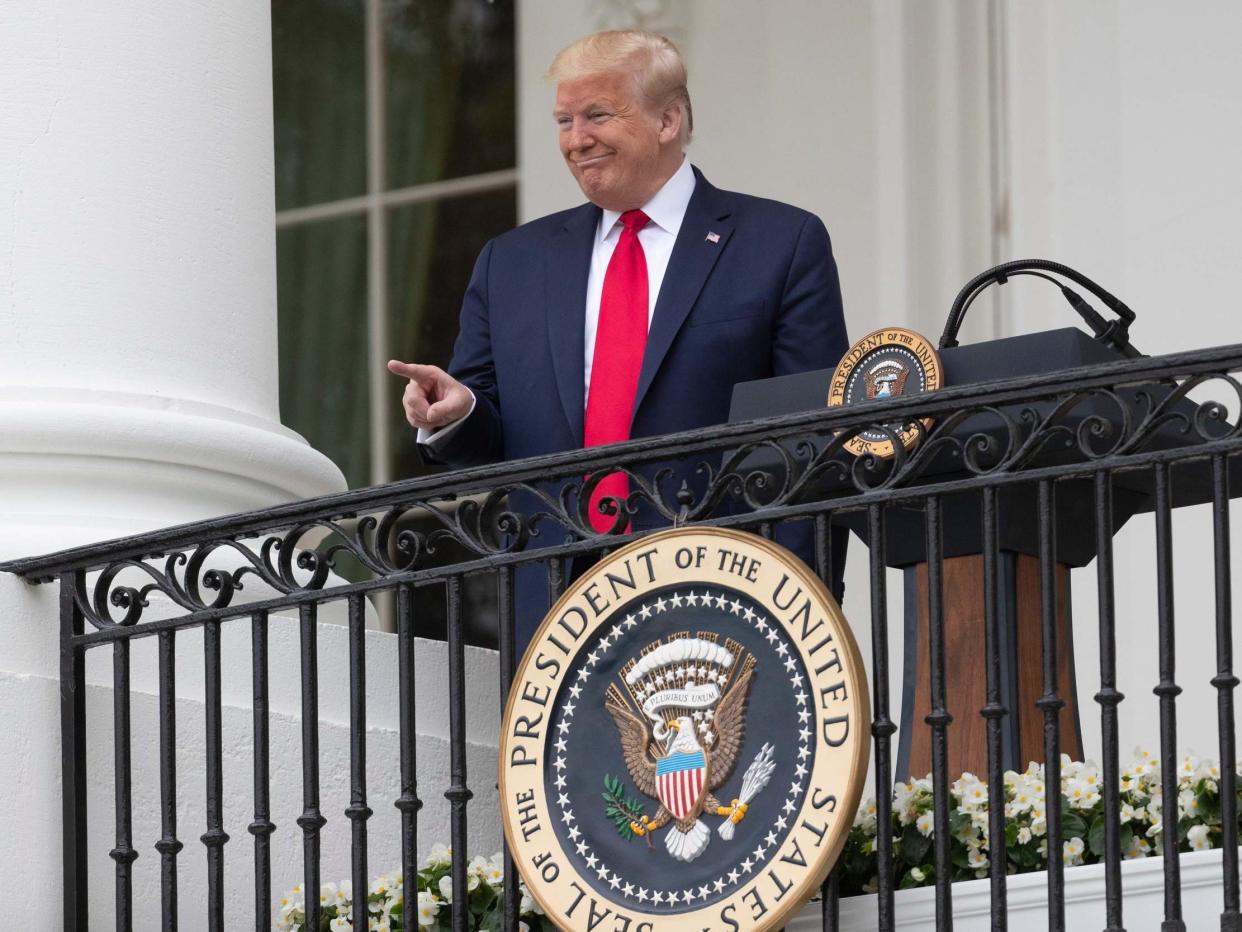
692 260
567 266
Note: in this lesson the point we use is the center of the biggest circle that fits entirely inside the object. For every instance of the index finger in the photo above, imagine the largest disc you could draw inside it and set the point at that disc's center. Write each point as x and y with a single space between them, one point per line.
410 370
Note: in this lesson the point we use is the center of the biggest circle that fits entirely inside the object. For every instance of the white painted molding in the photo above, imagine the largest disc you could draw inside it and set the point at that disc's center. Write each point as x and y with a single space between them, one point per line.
1143 900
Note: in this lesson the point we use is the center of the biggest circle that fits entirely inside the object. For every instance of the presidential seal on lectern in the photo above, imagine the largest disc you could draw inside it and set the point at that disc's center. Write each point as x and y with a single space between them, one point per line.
685 740
886 363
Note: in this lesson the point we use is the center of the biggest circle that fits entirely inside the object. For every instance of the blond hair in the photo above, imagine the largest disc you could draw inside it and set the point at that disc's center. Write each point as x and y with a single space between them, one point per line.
653 60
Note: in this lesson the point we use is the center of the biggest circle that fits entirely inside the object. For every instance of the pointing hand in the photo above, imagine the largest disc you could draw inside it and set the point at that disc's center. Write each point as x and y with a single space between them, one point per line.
433 398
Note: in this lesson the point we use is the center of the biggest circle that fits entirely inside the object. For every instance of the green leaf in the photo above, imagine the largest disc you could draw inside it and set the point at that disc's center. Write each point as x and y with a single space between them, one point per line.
1072 825
914 845
957 821
1095 837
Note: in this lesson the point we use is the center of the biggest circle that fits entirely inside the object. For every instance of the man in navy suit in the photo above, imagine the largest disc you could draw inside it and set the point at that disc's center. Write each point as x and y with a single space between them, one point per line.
636 313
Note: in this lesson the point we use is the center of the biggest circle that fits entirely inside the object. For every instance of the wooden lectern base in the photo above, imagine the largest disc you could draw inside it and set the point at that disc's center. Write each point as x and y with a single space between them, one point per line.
966 667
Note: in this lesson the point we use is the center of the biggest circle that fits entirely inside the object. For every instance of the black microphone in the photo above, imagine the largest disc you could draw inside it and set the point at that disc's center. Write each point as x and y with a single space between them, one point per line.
1114 333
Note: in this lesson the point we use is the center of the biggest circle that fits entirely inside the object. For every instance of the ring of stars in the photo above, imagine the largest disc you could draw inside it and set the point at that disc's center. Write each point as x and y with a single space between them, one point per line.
754 858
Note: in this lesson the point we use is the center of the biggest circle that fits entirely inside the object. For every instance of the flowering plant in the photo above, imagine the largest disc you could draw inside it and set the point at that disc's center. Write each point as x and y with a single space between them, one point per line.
434 911
1026 845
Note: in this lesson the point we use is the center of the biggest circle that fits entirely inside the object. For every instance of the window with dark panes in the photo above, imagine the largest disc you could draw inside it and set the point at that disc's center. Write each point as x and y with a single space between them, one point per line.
395 163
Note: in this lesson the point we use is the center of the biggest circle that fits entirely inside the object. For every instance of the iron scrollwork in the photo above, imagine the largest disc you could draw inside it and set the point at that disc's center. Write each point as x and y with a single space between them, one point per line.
787 465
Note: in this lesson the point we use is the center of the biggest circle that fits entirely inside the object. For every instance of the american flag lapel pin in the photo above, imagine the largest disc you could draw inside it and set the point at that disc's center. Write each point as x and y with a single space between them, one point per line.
713 237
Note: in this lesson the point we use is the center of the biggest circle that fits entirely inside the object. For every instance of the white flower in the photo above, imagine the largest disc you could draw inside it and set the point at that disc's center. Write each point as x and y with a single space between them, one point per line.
1081 794
1189 767
427 908
1071 851
1198 838
1024 835
1187 803
925 823
439 856
495 874
340 924
917 874
446 888
976 858
866 816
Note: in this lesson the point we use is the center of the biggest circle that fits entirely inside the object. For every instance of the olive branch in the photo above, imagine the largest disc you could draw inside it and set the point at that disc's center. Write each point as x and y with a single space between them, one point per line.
622 809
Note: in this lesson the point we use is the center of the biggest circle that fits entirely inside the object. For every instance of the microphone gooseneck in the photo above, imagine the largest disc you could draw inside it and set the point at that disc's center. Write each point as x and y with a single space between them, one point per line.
1114 333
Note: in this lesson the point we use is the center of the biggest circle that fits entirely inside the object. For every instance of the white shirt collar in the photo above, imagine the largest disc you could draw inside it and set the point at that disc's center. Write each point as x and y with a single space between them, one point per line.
667 207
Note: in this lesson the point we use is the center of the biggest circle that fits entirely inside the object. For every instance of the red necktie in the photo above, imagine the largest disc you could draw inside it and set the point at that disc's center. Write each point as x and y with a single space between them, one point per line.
619 342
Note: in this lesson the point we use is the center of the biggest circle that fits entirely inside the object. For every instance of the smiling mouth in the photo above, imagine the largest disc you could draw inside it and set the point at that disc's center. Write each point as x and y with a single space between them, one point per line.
587 163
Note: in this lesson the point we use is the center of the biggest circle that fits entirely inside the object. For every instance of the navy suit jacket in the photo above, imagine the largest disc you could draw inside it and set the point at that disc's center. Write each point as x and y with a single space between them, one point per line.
759 297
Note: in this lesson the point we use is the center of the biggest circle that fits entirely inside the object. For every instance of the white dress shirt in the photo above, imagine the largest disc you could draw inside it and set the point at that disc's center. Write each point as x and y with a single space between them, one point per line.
665 210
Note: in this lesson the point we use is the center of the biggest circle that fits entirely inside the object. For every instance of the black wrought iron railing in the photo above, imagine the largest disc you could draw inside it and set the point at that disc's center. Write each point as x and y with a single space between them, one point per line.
1142 421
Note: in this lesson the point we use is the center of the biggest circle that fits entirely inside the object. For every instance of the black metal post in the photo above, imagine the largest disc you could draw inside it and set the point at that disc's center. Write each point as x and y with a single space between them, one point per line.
408 803
507 630
994 711
882 726
168 845
73 754
939 717
1225 682
262 827
123 854
311 820
1051 704
215 837
1168 691
358 812
458 793
1108 697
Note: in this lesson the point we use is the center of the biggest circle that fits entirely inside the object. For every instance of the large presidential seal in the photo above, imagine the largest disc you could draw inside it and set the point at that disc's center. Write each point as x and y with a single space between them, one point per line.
686 739
886 364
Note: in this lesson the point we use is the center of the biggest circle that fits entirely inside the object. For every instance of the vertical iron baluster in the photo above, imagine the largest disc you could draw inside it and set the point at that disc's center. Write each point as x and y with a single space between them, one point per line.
458 794
823 551
556 579
830 901
1167 691
1108 697
168 846
1051 704
939 717
262 827
994 711
508 664
124 853
358 811
830 890
73 754
215 837
882 726
1225 682
408 803
311 820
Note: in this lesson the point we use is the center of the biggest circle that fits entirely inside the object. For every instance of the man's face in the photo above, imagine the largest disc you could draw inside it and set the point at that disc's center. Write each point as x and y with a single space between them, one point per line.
617 150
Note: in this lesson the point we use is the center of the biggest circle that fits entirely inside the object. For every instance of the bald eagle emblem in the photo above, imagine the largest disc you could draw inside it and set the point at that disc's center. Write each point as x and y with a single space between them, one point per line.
886 379
680 712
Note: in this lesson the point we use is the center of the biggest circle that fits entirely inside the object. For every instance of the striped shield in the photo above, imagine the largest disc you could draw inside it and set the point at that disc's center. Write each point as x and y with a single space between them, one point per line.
679 781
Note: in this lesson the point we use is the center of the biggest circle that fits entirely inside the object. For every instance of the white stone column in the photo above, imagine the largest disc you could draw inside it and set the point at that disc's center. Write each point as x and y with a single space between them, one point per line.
138 356
138 365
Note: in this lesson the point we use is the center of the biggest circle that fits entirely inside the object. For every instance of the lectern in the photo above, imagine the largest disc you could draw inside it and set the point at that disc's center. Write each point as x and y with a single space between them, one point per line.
1019 583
